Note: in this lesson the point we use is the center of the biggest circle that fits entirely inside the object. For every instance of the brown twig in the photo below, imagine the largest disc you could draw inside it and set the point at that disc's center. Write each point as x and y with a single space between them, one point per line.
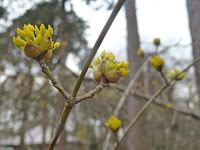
90 94
55 82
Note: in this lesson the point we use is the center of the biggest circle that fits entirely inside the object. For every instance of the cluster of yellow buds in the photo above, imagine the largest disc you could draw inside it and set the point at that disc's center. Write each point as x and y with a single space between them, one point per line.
108 69
35 41
156 41
140 52
176 75
157 62
168 105
154 82
113 123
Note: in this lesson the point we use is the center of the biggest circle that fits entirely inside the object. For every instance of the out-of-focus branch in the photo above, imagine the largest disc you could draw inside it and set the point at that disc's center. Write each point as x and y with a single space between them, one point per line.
90 94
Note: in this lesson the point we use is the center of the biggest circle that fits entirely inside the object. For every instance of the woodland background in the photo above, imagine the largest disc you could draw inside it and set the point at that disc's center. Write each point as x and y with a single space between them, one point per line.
30 107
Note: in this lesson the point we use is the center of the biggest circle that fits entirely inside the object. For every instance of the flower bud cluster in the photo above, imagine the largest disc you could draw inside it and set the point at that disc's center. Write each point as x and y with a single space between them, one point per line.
157 62
140 52
176 75
113 123
34 41
111 70
156 41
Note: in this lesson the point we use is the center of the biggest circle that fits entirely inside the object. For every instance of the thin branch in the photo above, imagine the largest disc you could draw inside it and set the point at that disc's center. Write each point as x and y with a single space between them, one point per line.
55 82
90 94
163 76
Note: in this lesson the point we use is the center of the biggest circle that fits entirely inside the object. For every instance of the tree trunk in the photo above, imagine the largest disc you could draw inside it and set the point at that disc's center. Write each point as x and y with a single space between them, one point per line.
44 123
26 90
137 138
193 7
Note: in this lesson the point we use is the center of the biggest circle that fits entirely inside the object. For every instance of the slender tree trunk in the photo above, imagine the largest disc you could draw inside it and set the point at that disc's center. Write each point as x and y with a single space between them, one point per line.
137 138
193 7
26 90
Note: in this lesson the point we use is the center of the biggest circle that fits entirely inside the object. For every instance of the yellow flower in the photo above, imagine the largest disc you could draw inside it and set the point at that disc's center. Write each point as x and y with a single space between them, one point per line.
157 62
106 66
103 54
174 75
190 86
140 52
35 41
154 82
113 123
156 41
168 105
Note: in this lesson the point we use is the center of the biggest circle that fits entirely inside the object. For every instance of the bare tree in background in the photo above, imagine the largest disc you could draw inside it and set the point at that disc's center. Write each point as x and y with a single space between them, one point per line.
193 7
137 139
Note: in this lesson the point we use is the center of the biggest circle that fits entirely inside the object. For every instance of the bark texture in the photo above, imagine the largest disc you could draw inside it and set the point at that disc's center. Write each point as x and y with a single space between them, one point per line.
137 138
193 7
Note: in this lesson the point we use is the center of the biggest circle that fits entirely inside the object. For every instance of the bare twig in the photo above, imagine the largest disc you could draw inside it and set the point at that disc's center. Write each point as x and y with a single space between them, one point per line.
55 82
91 93
163 76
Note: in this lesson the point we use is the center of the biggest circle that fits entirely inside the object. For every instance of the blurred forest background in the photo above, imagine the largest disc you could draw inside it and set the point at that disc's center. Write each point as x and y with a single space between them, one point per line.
30 107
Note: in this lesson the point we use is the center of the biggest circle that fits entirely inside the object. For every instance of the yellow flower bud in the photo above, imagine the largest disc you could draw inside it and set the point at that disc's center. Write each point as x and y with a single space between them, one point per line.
157 62
52 44
113 123
124 72
108 71
21 32
37 31
29 33
97 61
168 105
103 54
154 82
50 30
174 75
39 39
16 42
107 57
140 52
126 64
91 65
31 27
111 57
34 47
42 29
56 45
156 41
46 43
